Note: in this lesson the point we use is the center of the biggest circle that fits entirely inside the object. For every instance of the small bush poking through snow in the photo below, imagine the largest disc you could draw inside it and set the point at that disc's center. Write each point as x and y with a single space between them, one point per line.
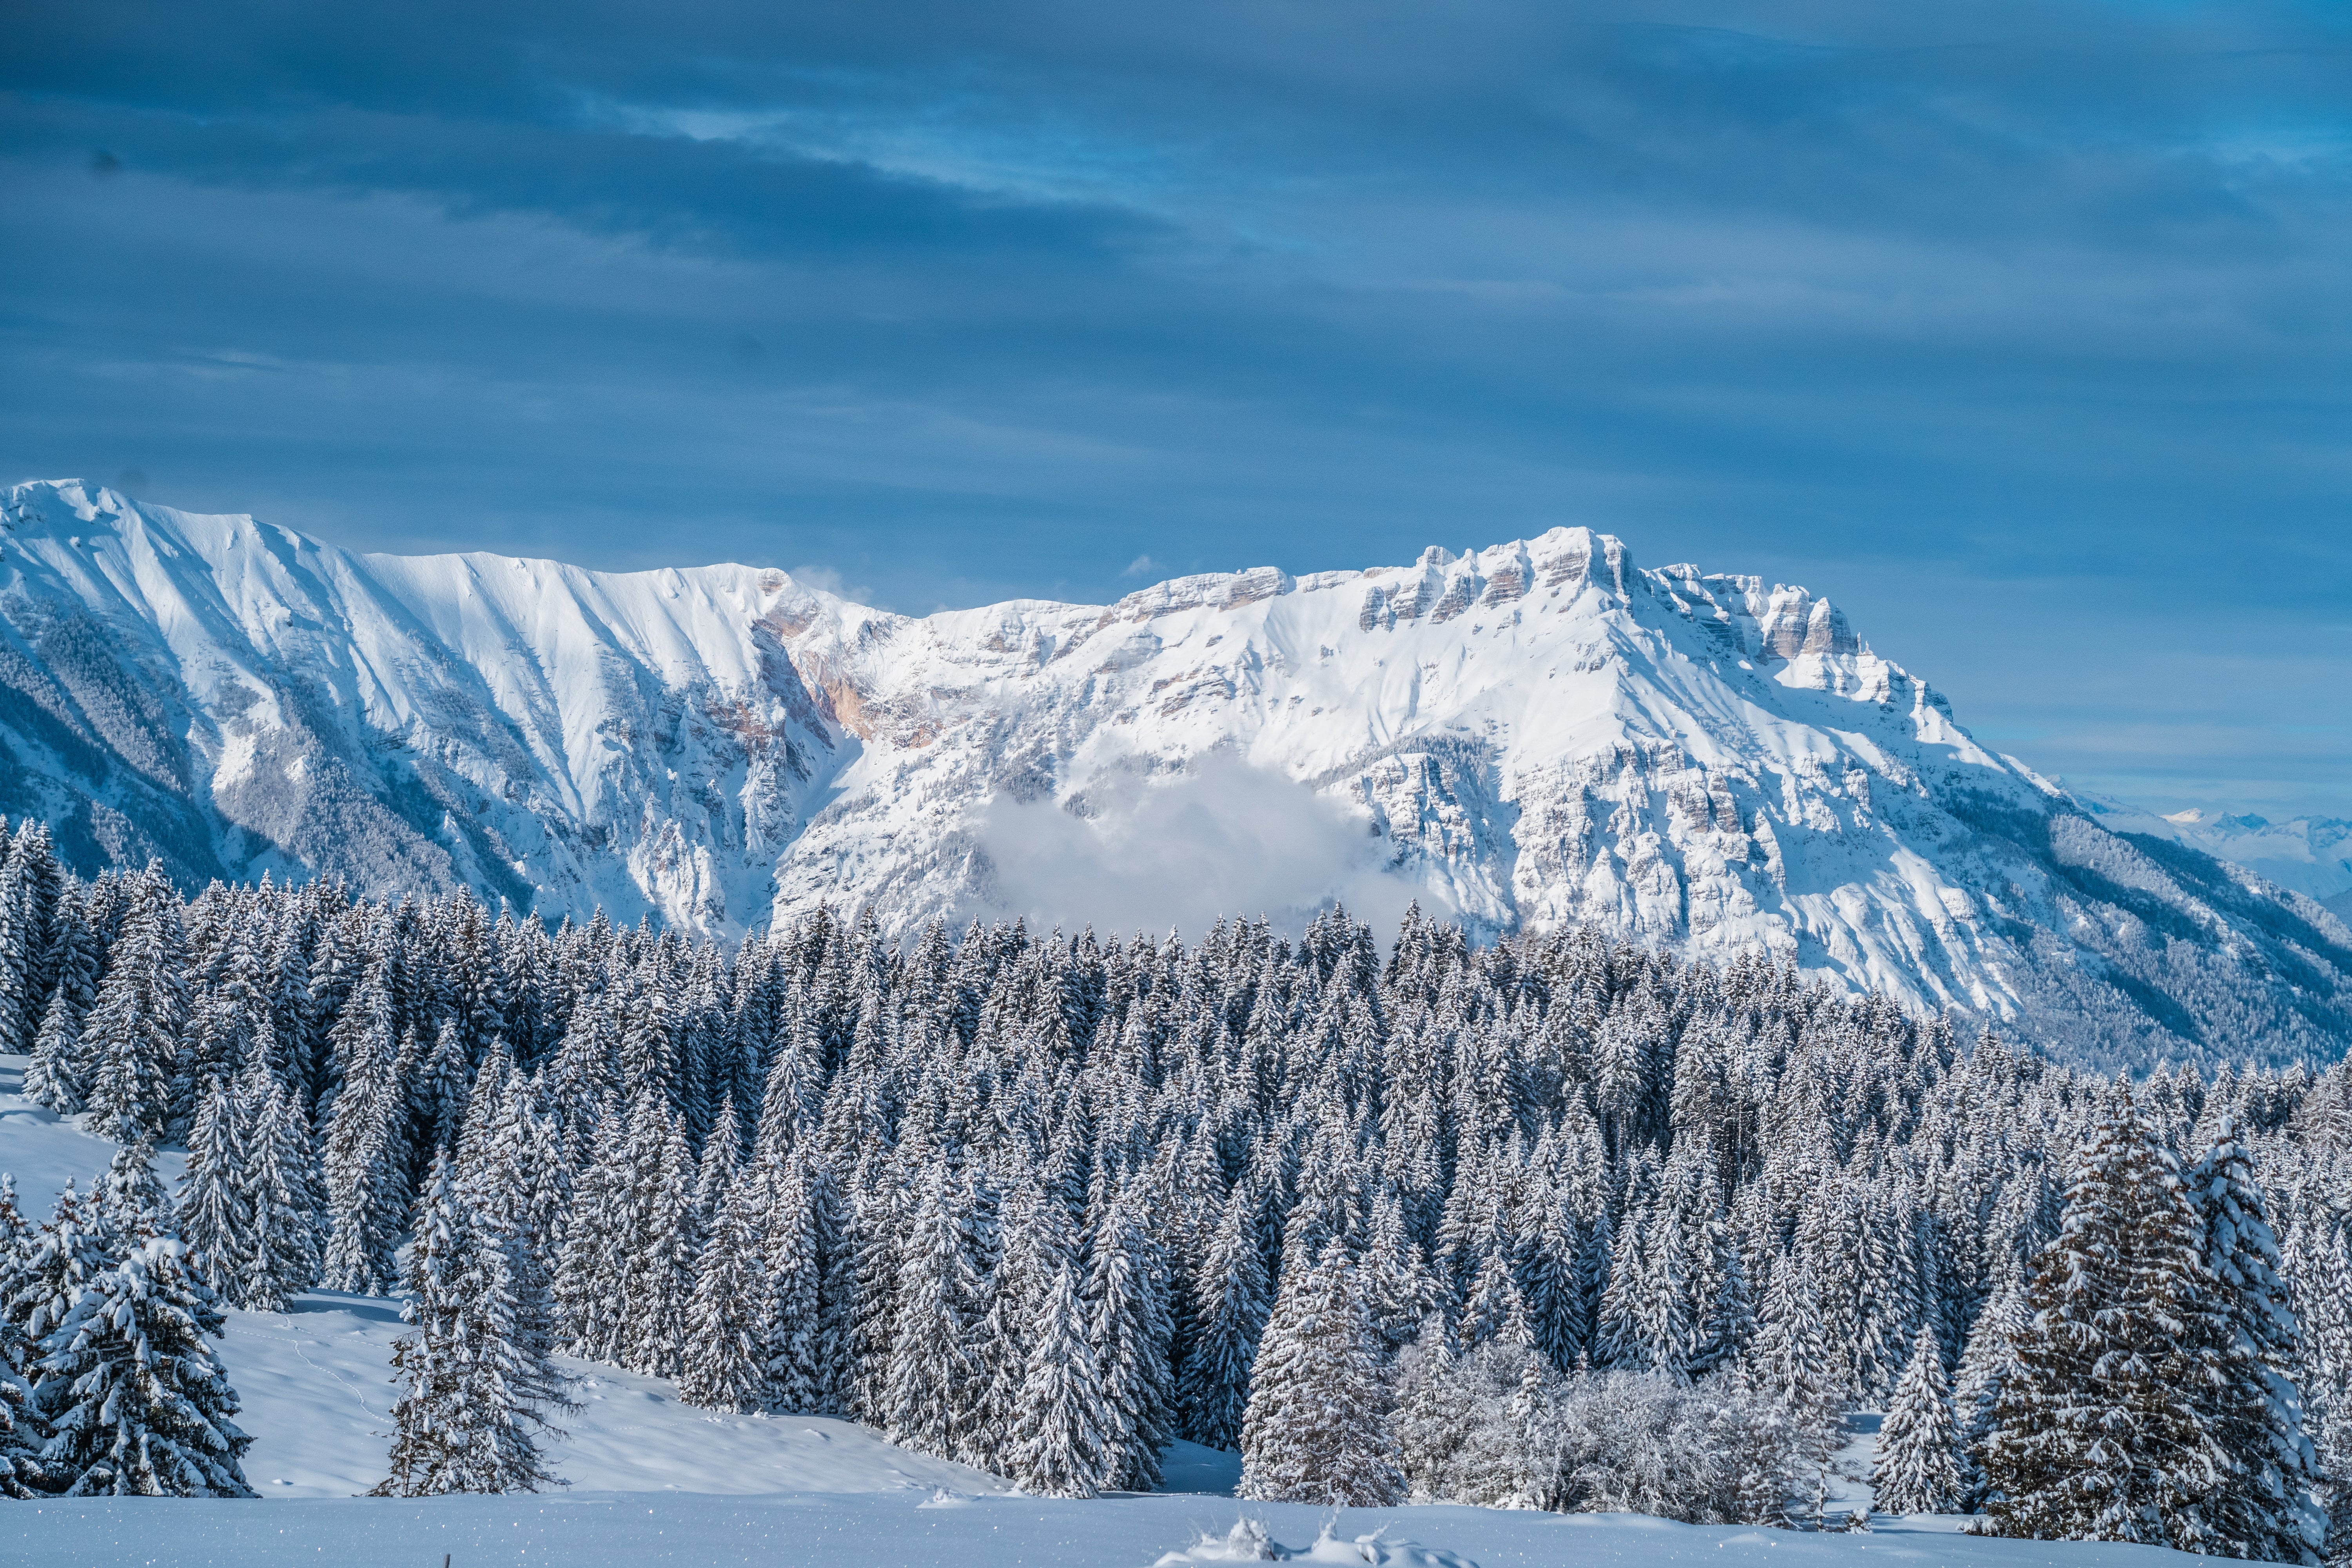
1249 1541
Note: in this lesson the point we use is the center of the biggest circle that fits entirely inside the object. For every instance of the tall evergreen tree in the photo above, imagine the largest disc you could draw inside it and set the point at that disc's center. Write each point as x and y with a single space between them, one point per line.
133 1029
728 1313
214 1215
935 1383
2096 1435
2244 1327
1315 1428
1130 1330
470 1407
1918 1466
1230 1305
1058 1446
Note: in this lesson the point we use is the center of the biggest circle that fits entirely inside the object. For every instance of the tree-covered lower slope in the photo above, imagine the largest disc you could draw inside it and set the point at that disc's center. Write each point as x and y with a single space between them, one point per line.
1042 1204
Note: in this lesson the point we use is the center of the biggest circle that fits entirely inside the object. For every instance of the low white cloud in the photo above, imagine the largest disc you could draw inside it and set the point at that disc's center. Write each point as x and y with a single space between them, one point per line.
826 580
1139 566
1223 838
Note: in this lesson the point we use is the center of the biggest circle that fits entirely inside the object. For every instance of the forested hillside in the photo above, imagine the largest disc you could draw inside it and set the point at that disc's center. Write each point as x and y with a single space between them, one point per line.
1042 1202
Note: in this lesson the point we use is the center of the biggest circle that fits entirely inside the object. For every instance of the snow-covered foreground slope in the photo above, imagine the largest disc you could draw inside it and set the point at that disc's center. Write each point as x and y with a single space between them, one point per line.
904 1530
1529 735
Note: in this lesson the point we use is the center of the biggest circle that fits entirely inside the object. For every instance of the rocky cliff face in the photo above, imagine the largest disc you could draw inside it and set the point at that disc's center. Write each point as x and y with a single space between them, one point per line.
1530 734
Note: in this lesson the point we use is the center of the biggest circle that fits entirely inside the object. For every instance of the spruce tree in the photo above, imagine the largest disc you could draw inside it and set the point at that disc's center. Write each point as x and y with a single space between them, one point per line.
789 1337
60 1075
1230 1306
1986 1363
22 1434
132 1030
728 1312
2249 1351
934 1377
214 1214
1058 1447
2096 1435
1315 1429
136 1399
1130 1330
1918 1469
469 1410
285 1190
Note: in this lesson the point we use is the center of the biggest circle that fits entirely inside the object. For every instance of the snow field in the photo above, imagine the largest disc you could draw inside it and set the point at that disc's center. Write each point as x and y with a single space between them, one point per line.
609 1529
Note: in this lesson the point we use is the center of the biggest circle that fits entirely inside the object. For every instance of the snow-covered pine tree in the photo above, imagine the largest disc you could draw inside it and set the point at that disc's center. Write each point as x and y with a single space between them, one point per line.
1057 1446
1126 1299
128 1198
1315 1429
214 1214
935 1384
1230 1304
2097 1433
727 1314
363 1161
1986 1365
136 1399
588 1305
285 1190
1918 1468
657 1259
28 883
466 1420
788 1349
132 1030
2321 1283
22 1434
60 1076
2244 1325
860 1313
1790 1363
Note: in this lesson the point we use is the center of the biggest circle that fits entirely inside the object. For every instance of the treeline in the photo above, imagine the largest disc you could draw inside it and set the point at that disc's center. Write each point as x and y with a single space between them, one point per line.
1558 1223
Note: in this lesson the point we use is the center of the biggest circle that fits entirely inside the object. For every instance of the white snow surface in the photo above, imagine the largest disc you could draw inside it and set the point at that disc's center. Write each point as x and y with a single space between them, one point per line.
886 1529
1532 734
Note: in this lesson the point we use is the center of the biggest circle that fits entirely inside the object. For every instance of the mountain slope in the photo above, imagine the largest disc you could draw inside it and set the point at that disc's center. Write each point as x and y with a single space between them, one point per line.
1536 733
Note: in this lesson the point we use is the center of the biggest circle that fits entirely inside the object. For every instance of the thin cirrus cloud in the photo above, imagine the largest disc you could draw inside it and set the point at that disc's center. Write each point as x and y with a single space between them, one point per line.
2018 329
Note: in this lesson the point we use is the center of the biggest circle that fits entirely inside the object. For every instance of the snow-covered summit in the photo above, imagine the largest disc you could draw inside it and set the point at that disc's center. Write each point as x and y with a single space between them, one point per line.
1530 733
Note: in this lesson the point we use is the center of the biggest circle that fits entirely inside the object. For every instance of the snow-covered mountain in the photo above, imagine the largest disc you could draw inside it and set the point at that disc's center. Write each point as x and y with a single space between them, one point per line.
2312 855
1537 733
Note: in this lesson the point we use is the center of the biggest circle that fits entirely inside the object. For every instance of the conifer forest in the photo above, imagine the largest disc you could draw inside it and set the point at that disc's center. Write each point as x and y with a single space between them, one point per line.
1556 1222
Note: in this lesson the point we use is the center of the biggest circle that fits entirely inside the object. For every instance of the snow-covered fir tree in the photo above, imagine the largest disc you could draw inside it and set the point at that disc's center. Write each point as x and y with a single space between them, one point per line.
135 1399
1316 1429
2096 1435
2249 1346
728 1312
472 1403
1918 1465
214 1214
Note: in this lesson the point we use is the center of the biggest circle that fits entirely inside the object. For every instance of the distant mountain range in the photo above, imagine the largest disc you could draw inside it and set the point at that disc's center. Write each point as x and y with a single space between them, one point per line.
2311 855
1521 736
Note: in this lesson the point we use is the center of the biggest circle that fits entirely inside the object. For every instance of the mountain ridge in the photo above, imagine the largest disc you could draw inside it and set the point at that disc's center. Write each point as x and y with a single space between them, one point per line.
1534 734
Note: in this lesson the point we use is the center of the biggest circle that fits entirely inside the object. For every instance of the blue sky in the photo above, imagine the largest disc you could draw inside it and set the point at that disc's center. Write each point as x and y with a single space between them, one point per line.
2023 331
